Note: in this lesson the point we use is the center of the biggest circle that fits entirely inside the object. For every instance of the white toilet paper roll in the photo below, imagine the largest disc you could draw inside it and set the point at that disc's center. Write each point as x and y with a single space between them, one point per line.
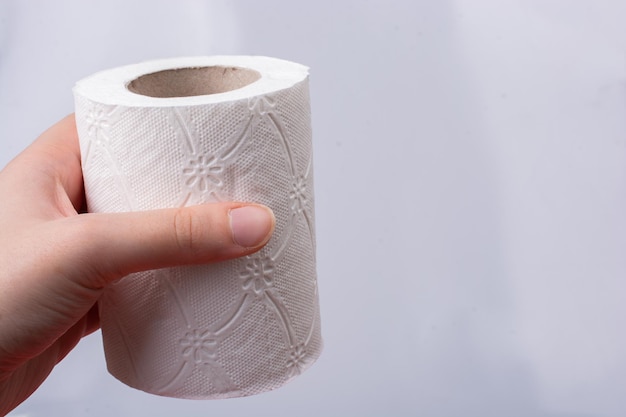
192 130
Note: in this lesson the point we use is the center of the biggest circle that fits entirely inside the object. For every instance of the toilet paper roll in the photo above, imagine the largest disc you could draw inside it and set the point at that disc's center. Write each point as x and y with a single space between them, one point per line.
186 131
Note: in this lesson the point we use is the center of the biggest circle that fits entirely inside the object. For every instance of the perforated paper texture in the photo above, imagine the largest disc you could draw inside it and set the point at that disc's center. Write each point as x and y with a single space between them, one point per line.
234 328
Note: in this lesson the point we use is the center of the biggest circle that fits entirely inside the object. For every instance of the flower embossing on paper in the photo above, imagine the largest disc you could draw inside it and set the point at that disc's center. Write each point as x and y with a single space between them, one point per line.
199 345
203 173
297 355
97 120
297 195
258 275
260 106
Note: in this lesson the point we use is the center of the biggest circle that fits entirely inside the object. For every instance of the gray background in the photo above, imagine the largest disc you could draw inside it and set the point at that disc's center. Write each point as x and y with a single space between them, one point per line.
470 194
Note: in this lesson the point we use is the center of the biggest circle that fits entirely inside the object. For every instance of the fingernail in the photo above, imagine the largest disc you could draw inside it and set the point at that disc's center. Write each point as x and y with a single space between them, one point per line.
251 225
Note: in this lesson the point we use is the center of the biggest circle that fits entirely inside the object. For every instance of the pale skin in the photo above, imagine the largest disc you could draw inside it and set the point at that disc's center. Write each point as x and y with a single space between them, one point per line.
55 259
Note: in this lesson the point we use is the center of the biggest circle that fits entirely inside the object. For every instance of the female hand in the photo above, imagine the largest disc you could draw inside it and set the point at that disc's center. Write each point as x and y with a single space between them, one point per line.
55 262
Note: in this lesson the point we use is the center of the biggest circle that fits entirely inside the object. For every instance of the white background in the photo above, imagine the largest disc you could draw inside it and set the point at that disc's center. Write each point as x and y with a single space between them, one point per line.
470 194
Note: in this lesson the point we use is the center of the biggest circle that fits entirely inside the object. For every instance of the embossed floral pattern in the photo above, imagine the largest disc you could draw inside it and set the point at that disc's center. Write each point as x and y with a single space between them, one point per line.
297 195
297 355
202 173
259 106
199 345
97 120
258 275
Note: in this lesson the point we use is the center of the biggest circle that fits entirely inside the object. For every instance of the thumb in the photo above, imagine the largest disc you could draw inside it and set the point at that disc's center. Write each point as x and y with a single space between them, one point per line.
70 260
113 245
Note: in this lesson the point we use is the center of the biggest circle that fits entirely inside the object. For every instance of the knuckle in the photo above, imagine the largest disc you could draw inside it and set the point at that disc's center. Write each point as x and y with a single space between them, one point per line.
187 231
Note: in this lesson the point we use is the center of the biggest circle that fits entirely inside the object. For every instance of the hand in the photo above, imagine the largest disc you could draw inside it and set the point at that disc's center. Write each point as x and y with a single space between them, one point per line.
55 262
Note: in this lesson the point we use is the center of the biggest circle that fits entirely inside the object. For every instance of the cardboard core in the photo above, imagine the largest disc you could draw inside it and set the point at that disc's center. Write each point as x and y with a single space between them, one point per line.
185 82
